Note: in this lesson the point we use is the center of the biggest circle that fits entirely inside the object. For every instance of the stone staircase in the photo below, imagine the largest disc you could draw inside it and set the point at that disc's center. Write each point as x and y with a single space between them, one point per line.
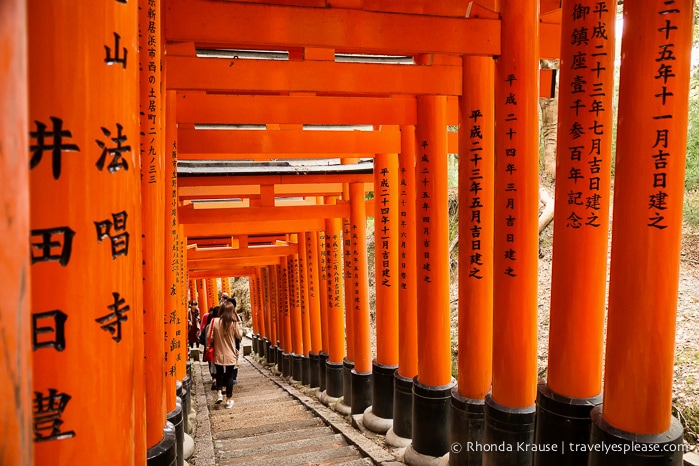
266 426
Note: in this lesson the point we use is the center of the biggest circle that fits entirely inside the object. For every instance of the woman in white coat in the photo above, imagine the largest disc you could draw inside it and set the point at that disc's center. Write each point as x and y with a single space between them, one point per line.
227 328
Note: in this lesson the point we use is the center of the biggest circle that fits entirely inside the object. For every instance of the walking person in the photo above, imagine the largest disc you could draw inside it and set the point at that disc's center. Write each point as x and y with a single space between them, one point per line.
226 329
193 324
204 337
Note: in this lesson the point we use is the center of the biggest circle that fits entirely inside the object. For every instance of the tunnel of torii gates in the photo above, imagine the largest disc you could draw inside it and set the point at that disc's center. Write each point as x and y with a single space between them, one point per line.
117 115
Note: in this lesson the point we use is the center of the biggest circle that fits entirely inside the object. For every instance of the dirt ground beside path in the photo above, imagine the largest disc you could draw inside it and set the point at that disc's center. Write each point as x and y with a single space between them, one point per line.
686 377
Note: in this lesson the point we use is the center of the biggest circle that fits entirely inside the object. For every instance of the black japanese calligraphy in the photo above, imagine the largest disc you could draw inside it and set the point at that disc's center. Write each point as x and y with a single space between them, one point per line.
55 244
47 411
119 56
116 153
48 330
112 322
120 239
57 147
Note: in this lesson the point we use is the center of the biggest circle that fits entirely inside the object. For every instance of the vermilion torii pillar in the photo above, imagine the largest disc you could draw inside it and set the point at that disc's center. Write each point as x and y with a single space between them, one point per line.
336 333
510 411
581 219
361 371
85 236
211 292
282 305
285 322
262 316
352 299
296 318
476 209
226 286
379 416
192 290
160 443
269 294
352 305
256 304
276 320
266 310
202 295
311 239
644 268
432 386
252 287
400 433
324 331
305 316
183 373
173 316
16 411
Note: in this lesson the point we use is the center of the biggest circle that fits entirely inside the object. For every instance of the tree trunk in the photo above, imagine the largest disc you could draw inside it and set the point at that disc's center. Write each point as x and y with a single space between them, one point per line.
549 127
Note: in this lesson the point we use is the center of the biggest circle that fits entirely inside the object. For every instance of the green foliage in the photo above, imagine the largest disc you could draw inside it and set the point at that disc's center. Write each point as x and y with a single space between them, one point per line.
691 207
691 180
453 173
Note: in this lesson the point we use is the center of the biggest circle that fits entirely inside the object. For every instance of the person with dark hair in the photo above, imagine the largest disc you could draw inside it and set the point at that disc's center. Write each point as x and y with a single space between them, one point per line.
193 325
227 328
205 331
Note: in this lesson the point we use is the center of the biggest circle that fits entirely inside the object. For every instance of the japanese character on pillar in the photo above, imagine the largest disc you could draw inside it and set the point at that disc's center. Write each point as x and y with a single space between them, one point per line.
120 238
55 244
426 206
117 160
119 56
112 322
385 228
664 77
47 411
476 137
48 330
57 147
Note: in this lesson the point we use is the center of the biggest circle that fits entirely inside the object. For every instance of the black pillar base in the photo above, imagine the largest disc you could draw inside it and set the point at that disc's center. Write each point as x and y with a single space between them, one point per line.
467 427
175 418
255 346
431 414
382 390
322 371
333 379
186 400
347 367
305 370
286 365
506 428
279 357
296 367
266 344
272 356
559 421
361 391
314 363
164 453
633 448
402 406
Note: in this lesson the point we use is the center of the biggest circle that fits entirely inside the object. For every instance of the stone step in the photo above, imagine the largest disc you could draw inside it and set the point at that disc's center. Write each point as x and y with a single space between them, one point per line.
350 461
283 436
275 450
266 429
294 457
269 426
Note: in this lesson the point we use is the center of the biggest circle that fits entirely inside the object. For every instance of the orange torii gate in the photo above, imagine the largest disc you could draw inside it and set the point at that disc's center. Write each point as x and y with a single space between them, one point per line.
79 182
